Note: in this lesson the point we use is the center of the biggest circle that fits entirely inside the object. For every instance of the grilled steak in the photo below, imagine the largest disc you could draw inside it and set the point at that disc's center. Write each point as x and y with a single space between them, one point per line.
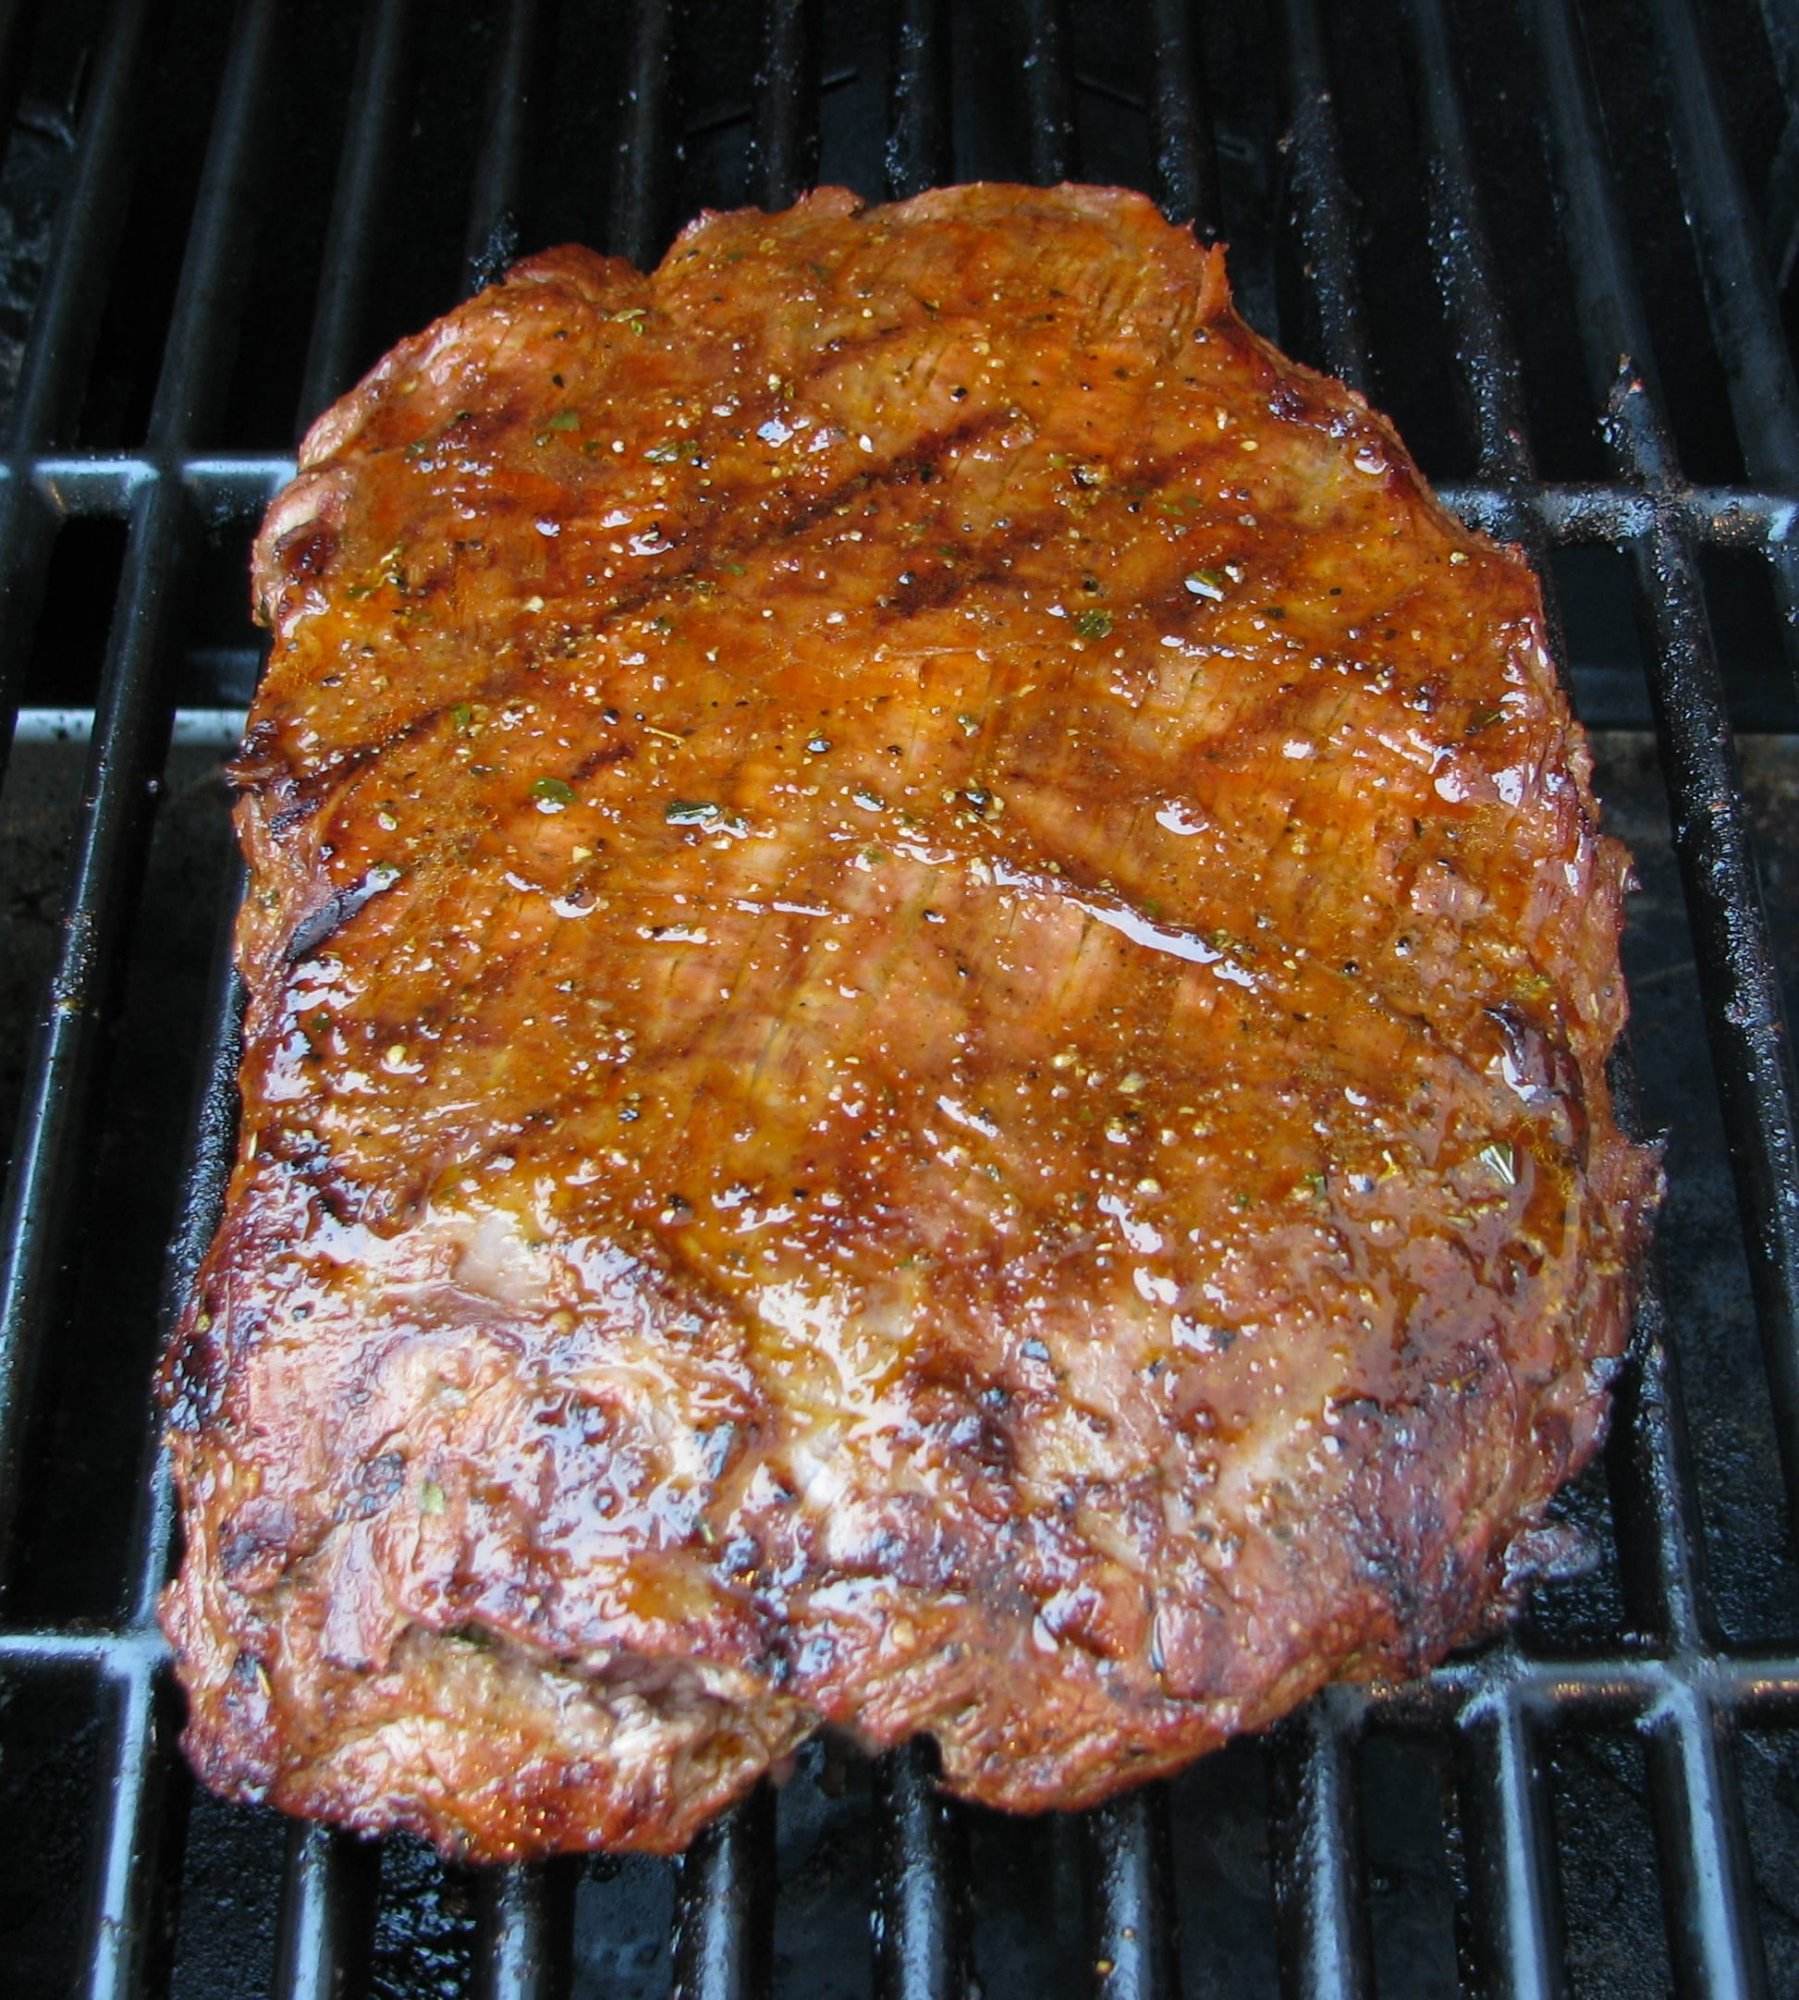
929 970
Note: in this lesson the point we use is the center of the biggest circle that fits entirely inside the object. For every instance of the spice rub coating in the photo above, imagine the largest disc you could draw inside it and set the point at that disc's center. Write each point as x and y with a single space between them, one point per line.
929 968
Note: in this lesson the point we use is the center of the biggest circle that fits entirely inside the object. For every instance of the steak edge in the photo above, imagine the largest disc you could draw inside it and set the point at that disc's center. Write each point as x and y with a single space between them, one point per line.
929 968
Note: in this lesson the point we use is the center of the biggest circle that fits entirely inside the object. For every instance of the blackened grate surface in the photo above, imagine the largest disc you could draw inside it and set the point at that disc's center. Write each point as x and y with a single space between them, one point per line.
1549 237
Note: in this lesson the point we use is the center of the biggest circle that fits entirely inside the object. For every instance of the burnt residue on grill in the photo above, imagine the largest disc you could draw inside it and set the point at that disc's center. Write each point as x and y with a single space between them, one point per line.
212 215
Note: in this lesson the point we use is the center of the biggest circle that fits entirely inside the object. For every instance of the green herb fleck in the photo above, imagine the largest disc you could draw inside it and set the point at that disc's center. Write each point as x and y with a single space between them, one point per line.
1093 624
691 812
431 1498
462 715
664 453
553 793
1208 583
1484 718
565 420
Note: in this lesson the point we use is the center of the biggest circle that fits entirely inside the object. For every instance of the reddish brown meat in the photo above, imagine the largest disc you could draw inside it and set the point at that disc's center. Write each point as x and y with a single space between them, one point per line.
929 978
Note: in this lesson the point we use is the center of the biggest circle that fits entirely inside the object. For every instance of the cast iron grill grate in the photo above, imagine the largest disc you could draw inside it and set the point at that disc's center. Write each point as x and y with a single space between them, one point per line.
152 453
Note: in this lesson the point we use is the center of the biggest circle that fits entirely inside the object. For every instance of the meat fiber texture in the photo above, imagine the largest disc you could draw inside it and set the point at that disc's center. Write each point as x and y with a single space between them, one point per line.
929 972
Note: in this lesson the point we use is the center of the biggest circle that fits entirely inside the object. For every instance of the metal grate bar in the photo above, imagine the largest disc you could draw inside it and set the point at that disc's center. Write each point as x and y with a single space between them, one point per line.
1321 200
1723 516
1321 1911
647 148
211 1147
1757 1686
126 1882
102 1652
138 1647
1611 314
725 1906
918 136
1730 517
921 1951
526 1920
146 1780
784 137
1704 1868
1508 1841
377 97
1503 1812
1713 1933
1049 94
495 226
321 1935
66 321
1180 123
1745 314
104 484
130 733
1486 356
1739 983
1131 1927
203 323
1739 980
58 353
1657 1515
1708 1888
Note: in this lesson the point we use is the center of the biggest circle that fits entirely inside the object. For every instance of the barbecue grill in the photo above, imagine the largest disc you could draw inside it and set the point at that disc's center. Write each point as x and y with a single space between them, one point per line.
1551 239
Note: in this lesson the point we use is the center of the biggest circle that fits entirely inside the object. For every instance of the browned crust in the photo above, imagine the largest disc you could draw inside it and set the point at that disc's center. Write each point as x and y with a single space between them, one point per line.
412 1652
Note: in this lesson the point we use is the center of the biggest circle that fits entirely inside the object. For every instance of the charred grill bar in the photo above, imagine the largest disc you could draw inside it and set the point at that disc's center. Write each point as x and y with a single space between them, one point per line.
1687 1694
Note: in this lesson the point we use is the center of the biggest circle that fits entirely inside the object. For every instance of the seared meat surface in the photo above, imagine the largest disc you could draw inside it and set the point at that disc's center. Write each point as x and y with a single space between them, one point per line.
929 971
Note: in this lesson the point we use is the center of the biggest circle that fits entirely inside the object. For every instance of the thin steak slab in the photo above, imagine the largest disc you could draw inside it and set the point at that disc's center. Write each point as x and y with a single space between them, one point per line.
929 973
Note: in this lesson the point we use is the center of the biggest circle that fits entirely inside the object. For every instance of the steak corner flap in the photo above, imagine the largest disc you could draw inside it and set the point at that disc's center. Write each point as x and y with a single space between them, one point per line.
929 969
